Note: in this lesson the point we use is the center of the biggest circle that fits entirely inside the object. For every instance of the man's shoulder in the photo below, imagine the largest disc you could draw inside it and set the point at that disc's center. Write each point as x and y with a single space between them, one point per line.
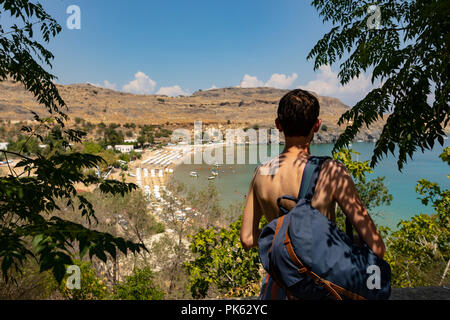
333 168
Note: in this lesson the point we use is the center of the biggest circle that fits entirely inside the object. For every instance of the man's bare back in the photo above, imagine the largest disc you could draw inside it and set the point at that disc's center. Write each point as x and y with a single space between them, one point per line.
283 175
284 178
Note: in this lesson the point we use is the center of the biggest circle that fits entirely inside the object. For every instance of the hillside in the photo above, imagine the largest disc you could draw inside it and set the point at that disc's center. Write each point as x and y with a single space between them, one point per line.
235 106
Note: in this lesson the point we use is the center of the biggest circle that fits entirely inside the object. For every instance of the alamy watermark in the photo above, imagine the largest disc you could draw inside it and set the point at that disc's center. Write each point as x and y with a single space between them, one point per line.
374 280
73 22
374 20
209 145
74 279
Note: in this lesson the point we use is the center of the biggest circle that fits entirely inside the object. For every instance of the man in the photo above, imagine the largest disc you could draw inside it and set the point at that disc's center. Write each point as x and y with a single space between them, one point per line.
298 114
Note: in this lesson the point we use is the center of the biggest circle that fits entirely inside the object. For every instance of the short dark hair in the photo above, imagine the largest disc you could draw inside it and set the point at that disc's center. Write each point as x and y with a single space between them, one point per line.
298 111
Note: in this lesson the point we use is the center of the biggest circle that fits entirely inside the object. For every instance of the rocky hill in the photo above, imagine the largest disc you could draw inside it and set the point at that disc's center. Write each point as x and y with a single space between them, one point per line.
227 106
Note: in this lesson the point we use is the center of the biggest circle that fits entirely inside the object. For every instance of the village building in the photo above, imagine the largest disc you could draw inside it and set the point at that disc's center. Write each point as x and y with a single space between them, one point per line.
124 148
4 145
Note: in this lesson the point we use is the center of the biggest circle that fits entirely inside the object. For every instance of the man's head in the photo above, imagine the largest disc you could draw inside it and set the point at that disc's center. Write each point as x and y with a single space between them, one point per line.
298 114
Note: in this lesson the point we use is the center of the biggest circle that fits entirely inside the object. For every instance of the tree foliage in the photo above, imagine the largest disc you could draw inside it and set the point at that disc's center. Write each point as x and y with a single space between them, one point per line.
29 193
408 55
18 50
26 206
222 262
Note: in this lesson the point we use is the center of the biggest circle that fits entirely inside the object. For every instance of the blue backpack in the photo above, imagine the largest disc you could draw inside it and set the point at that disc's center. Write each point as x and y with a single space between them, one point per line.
311 258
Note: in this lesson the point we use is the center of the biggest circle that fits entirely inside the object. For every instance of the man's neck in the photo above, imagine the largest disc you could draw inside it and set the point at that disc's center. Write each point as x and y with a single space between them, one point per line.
297 145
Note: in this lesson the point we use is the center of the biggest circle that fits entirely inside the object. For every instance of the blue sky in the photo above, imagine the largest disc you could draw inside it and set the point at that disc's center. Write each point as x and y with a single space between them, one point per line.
178 47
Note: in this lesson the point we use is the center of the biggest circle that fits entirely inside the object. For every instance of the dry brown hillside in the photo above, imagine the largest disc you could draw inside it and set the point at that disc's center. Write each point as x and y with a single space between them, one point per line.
238 106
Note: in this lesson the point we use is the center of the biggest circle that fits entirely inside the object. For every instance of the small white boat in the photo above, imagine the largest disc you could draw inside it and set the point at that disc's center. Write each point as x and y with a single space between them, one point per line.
211 177
193 174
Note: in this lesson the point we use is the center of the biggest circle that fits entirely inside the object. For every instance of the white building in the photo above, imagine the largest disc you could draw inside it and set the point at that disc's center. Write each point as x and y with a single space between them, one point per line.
124 148
4 145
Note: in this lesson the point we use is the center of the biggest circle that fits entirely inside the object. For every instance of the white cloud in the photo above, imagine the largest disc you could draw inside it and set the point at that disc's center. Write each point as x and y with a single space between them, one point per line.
327 84
251 82
142 84
277 80
281 81
109 85
106 84
173 91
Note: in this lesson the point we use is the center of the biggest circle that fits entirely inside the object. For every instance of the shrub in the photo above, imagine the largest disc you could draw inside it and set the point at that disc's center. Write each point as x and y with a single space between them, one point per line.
221 261
138 286
419 251
78 120
91 288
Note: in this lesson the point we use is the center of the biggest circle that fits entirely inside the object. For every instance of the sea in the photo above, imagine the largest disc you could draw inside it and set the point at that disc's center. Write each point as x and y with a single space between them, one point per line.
232 181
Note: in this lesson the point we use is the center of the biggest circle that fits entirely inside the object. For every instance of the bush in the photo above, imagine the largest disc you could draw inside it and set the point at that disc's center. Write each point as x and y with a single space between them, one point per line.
91 288
92 147
138 286
78 120
221 261
419 251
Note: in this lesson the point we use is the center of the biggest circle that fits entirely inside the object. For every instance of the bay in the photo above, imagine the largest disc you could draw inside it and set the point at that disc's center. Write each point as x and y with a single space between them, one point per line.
233 179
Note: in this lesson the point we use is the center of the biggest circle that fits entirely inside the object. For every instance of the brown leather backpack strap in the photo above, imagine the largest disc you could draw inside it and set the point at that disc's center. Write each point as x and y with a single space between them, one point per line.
347 293
277 229
271 271
333 288
302 269
291 252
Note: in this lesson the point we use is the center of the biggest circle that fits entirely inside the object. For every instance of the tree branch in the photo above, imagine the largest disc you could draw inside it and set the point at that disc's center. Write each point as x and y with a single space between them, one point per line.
16 154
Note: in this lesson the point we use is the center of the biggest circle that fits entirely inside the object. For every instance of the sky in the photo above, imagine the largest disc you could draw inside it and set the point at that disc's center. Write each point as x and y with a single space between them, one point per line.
178 47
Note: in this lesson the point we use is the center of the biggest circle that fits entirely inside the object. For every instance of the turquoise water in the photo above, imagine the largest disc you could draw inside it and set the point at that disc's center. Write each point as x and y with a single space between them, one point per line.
233 179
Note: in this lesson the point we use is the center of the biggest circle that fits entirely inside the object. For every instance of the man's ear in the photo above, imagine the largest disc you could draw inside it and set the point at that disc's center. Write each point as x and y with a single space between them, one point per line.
317 125
278 125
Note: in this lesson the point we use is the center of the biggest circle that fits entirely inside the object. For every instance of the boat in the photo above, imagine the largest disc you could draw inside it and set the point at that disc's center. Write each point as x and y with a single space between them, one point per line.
214 173
211 177
193 174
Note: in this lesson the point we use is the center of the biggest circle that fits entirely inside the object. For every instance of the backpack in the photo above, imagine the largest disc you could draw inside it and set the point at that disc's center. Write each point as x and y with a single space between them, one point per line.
311 258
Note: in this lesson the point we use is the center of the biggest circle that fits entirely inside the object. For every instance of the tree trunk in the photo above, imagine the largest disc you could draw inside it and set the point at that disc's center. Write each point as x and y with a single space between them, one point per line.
445 273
